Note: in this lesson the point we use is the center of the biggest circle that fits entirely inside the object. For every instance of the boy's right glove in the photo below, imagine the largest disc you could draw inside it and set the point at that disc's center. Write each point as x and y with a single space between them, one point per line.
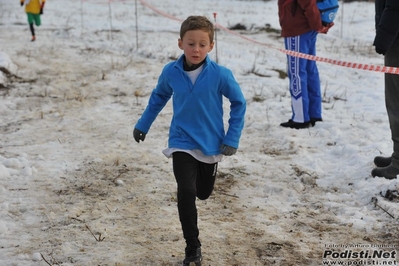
138 135
22 3
228 150
41 8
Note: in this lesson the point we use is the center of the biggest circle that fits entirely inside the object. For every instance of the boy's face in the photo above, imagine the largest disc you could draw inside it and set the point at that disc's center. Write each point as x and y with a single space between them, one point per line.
196 45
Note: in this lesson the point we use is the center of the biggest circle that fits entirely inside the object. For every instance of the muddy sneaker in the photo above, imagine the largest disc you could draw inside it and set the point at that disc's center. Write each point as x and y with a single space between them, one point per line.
381 161
33 39
296 125
193 256
388 172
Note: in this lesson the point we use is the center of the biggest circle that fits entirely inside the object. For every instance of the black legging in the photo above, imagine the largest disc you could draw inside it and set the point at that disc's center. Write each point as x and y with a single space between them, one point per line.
194 179
32 30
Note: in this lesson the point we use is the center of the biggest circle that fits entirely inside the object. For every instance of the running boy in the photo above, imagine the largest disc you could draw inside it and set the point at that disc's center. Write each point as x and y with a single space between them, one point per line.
197 139
33 9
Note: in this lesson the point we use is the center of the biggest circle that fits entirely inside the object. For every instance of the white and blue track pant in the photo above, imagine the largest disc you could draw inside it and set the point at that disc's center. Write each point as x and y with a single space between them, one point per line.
304 79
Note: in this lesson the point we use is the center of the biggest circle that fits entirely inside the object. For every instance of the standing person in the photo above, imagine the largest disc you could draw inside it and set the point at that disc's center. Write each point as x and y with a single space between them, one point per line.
386 43
33 9
300 23
197 139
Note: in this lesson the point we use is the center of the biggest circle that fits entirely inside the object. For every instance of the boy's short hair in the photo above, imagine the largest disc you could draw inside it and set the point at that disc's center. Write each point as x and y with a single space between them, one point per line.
197 23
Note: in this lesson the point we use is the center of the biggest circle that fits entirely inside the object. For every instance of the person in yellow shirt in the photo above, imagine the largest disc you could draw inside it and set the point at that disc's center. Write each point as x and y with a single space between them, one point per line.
33 8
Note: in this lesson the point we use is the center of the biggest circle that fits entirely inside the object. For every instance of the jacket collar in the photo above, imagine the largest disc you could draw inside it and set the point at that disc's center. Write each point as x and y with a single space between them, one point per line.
179 63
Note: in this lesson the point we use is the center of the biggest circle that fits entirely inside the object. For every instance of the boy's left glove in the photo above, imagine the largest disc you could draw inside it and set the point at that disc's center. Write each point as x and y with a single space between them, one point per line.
138 135
22 3
228 150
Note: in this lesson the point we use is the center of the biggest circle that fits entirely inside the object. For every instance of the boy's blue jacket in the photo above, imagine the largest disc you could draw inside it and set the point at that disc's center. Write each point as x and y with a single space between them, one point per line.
197 121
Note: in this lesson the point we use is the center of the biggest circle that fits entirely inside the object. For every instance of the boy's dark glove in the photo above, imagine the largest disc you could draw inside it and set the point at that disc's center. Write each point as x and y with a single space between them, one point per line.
22 3
41 8
380 51
138 135
228 150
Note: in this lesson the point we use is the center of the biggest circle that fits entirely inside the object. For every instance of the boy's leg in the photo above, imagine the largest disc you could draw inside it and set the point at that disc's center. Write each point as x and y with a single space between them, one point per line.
314 92
31 20
32 29
186 170
206 180
37 19
298 79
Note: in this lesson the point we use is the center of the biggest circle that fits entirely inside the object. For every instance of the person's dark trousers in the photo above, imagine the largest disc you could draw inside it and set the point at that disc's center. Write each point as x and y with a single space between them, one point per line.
392 99
194 179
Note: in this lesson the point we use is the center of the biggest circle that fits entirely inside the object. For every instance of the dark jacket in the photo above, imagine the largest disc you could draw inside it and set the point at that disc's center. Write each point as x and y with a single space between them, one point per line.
386 23
298 17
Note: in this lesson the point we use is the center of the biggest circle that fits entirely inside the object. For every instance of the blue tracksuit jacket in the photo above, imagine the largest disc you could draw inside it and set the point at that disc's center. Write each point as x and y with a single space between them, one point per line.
197 121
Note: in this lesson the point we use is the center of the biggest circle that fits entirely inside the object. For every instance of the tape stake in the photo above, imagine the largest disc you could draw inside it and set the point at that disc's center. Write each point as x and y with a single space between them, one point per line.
216 40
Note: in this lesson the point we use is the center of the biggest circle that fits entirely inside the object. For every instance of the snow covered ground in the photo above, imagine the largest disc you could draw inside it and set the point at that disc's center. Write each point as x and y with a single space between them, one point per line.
76 189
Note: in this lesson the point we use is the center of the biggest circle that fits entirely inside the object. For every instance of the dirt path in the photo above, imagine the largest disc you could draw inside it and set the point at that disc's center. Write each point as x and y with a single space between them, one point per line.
104 200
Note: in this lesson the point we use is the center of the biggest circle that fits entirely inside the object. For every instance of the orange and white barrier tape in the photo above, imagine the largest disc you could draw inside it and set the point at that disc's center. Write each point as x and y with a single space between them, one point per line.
375 68
159 11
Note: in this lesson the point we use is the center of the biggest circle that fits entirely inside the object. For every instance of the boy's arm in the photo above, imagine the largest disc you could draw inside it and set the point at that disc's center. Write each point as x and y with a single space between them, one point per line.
236 122
233 92
42 7
158 99
155 105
